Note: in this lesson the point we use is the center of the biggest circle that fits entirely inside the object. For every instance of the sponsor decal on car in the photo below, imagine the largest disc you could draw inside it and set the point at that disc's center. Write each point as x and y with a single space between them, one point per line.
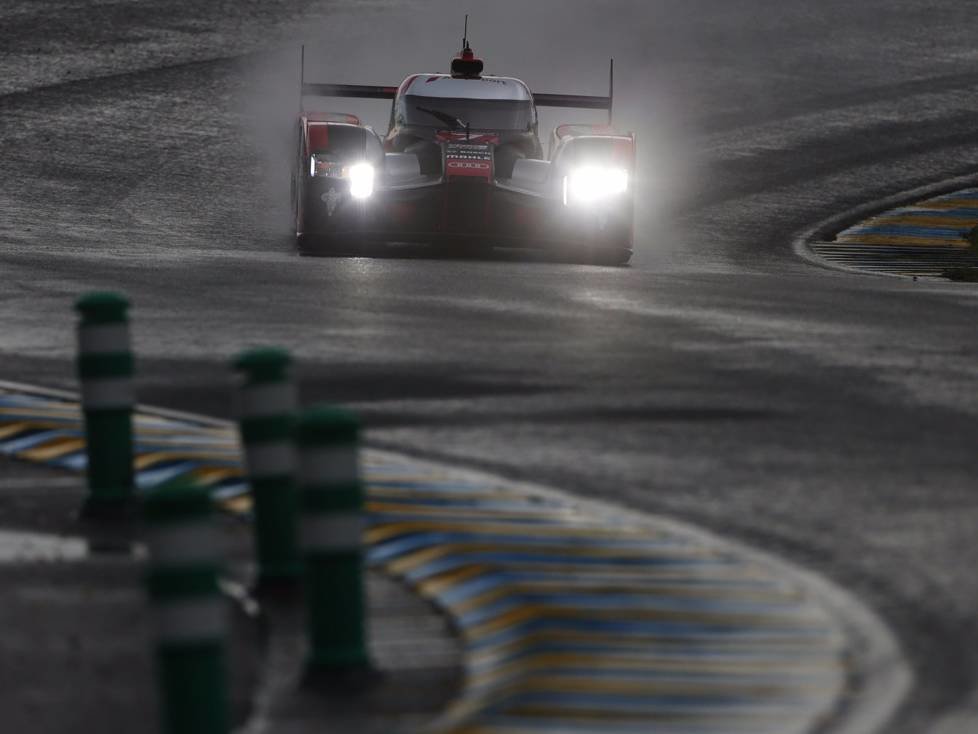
331 199
469 160
457 136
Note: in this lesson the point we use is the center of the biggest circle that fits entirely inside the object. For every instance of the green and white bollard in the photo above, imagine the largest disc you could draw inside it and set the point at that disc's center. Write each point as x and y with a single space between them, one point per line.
189 612
267 404
331 531
105 369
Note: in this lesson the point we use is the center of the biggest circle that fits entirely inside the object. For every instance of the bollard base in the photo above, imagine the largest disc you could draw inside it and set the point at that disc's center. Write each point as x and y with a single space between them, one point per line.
193 688
278 588
115 511
343 682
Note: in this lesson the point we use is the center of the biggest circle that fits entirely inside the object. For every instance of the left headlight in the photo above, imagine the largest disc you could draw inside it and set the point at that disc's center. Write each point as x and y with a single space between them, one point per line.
361 180
360 175
591 184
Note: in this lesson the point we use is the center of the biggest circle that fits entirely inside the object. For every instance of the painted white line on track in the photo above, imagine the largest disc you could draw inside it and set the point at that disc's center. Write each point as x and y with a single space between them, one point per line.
24 547
21 484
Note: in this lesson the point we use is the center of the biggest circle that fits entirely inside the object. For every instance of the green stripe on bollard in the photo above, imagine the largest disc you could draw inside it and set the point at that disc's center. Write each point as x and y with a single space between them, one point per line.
334 597
264 365
102 307
109 448
264 429
324 426
177 583
325 499
275 536
331 529
188 609
187 673
105 365
177 503
267 417
105 369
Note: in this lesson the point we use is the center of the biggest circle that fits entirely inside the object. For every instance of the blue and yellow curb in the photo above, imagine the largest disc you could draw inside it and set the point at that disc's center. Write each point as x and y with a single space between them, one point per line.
922 240
574 617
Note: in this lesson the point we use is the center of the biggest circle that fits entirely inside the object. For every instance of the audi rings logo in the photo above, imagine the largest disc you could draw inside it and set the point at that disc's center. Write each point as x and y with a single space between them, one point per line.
471 165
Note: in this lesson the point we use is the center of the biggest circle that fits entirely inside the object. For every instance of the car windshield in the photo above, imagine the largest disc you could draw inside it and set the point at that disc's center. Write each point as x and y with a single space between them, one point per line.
456 114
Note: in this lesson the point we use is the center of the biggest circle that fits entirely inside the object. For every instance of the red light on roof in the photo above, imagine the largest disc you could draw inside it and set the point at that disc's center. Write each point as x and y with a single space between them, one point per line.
466 65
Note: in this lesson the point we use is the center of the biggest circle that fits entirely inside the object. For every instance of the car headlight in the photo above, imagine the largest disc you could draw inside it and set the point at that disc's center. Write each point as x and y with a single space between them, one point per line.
591 184
360 175
361 180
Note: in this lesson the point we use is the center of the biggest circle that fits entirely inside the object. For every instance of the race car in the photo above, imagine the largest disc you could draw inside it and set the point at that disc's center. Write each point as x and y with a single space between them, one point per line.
462 167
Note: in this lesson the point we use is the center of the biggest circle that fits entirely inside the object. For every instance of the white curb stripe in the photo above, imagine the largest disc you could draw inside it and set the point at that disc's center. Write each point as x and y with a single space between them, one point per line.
336 531
270 459
103 338
184 543
268 399
24 547
329 465
108 392
190 620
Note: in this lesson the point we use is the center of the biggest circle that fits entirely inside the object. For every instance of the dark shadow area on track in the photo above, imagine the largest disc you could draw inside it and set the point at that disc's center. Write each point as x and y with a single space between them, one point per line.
398 419
791 166
198 388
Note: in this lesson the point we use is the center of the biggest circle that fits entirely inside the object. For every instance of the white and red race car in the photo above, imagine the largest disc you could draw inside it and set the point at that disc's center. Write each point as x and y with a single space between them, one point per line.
462 166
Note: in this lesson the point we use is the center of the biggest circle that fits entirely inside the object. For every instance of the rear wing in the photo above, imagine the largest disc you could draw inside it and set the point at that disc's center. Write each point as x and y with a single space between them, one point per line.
355 91
582 102
363 91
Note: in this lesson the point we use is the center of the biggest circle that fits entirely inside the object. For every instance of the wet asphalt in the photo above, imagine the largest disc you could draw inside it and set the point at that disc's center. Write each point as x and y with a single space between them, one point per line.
830 417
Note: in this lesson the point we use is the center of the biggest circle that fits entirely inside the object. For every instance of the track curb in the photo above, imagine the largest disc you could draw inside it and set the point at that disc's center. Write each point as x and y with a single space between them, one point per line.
883 674
876 676
802 241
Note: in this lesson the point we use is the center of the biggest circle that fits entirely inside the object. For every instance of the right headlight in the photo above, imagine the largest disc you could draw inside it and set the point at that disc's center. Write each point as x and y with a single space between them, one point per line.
592 184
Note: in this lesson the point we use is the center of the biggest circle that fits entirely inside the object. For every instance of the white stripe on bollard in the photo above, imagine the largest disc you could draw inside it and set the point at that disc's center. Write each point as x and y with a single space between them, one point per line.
193 542
335 531
267 399
270 459
328 465
190 620
103 338
107 392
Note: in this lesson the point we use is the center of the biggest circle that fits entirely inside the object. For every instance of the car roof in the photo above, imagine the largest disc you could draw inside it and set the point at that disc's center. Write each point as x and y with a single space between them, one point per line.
447 86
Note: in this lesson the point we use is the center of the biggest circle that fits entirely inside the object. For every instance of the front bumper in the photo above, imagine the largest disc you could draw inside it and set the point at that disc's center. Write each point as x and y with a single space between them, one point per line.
463 211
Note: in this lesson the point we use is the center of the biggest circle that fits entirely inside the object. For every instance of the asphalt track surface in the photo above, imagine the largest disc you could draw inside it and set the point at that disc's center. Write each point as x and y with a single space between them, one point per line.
826 416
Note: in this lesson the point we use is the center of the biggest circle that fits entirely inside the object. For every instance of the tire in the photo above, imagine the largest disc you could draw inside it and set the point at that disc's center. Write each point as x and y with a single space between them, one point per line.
323 245
605 254
460 249
304 244
611 256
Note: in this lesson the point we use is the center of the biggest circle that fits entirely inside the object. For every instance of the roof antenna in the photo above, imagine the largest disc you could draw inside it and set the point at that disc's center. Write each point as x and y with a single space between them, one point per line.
466 65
